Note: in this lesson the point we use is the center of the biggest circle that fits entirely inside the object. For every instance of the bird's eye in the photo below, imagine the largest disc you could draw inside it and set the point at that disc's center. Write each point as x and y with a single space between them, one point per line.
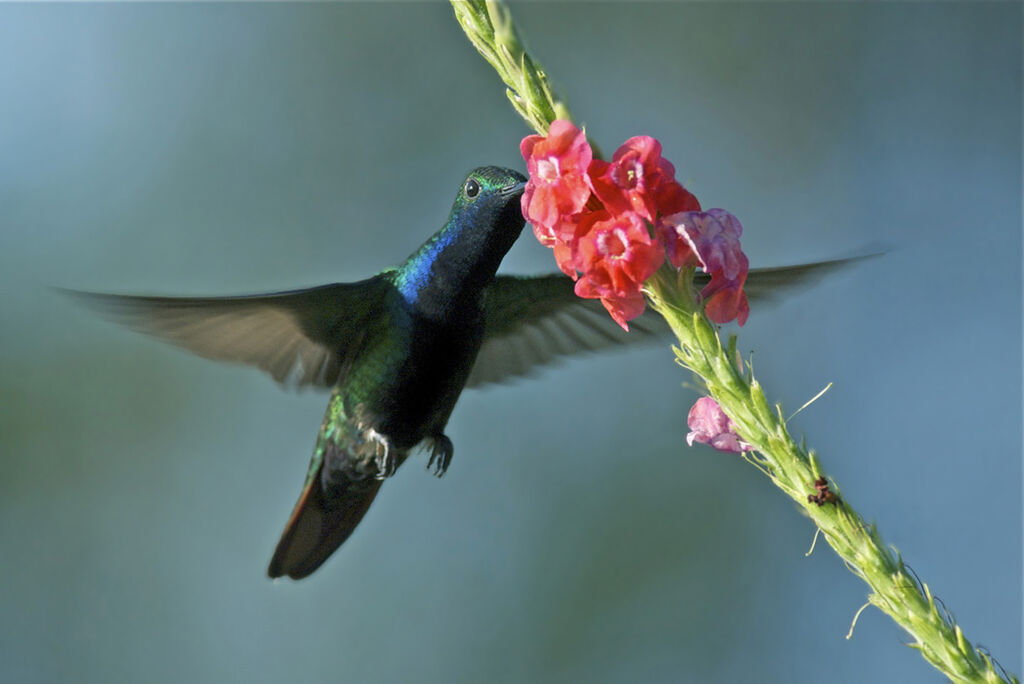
472 188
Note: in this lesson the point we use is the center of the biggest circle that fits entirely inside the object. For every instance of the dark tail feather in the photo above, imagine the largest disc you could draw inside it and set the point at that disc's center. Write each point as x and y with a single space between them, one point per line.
320 523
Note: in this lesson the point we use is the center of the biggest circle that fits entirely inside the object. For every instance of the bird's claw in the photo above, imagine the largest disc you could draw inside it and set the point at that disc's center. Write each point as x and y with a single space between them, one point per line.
386 464
384 459
440 455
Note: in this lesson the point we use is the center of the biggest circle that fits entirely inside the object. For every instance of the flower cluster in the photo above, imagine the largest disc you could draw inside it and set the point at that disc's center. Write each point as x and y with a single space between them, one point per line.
612 224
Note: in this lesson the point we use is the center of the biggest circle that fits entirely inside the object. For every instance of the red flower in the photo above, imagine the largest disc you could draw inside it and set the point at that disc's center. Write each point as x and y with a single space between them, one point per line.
557 165
713 237
709 425
631 181
622 309
671 198
726 302
603 238
616 255
561 237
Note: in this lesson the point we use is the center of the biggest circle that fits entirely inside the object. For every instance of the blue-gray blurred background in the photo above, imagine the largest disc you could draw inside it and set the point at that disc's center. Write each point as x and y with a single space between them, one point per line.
224 149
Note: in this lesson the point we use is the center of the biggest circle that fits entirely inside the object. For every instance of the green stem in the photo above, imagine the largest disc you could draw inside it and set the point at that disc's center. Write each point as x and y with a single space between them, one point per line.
795 470
791 466
488 25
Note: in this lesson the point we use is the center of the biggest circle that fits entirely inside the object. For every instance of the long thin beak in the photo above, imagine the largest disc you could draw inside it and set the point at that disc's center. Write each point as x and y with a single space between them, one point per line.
514 189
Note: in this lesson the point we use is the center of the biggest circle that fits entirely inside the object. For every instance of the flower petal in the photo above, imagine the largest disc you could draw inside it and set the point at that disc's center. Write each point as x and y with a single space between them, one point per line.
709 425
713 239
557 166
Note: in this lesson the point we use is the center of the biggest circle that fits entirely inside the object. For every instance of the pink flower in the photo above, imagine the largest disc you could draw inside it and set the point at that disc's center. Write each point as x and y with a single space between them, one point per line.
673 198
713 238
616 254
630 182
557 165
709 425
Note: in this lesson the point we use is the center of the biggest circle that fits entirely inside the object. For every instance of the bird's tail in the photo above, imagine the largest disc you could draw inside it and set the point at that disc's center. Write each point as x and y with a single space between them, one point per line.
324 517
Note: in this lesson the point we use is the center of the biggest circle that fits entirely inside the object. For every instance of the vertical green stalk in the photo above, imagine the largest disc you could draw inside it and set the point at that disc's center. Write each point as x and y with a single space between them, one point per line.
791 466
490 28
488 25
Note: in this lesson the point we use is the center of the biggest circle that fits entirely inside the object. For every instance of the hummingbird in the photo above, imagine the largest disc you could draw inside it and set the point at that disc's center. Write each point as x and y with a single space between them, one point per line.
396 350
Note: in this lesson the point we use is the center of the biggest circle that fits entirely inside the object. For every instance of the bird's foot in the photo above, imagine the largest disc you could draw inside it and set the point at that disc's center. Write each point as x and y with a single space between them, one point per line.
385 455
440 455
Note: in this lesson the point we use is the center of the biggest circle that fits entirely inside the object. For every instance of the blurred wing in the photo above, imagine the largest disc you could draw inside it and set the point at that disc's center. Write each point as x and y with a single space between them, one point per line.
301 337
534 321
769 285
